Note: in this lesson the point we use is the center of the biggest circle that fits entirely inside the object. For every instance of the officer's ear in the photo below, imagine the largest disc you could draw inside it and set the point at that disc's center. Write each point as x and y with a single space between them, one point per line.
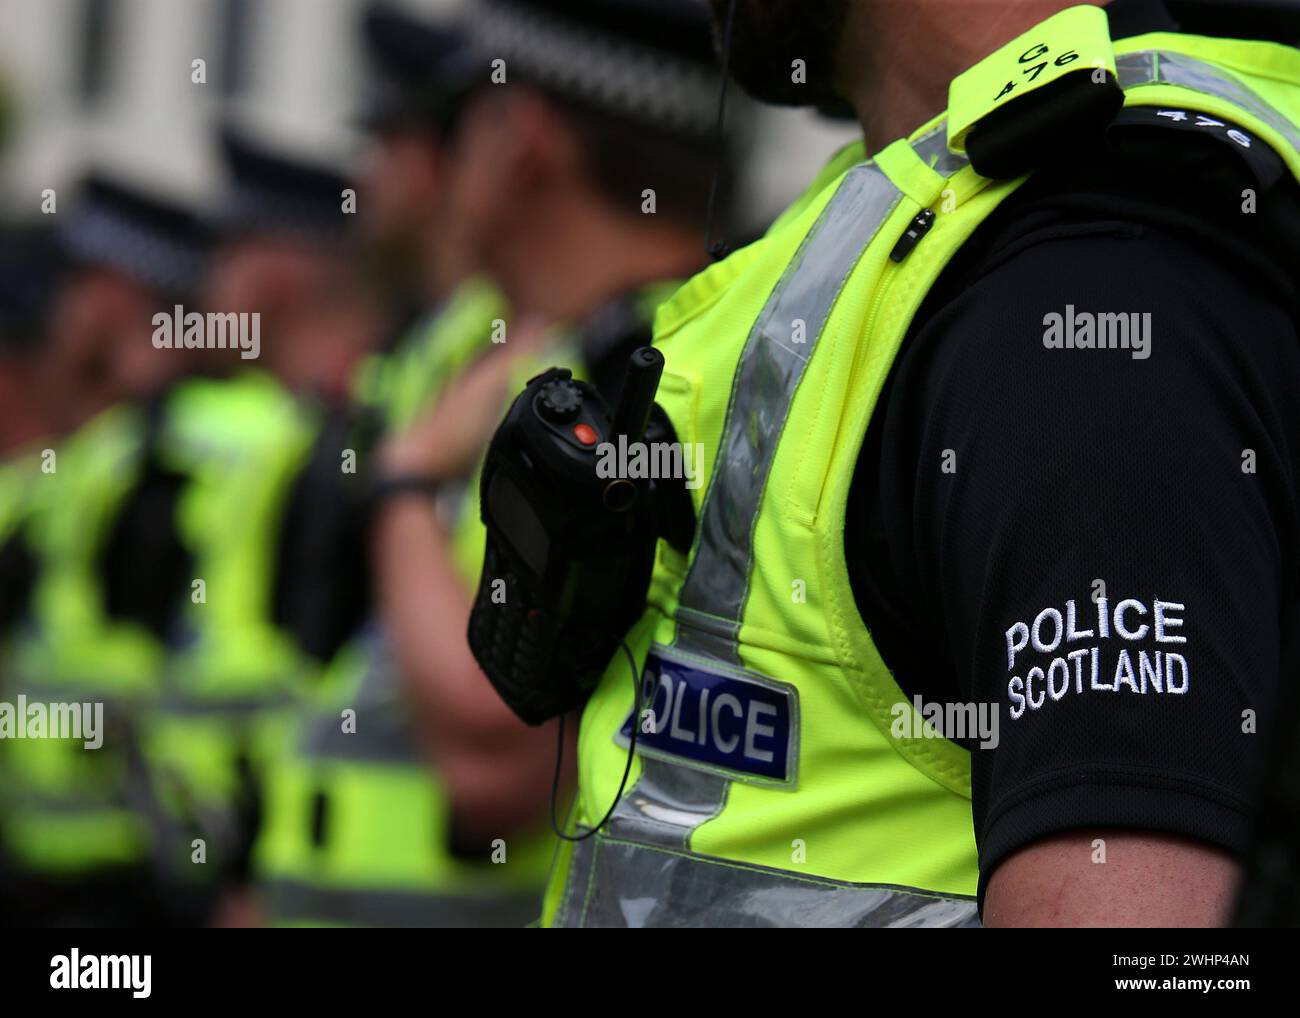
490 138
546 147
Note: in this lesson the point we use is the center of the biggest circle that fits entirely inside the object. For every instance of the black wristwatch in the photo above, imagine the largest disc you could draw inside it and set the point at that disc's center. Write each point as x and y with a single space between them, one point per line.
384 488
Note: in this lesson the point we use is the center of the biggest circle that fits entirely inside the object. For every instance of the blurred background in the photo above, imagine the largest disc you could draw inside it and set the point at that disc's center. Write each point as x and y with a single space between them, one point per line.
270 273
95 82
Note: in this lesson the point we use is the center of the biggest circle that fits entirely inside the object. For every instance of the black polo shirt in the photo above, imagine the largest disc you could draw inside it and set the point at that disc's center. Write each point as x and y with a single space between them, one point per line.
1103 543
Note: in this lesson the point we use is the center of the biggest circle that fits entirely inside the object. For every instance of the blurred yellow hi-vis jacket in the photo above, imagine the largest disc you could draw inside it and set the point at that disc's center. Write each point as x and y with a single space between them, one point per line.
66 811
768 789
357 828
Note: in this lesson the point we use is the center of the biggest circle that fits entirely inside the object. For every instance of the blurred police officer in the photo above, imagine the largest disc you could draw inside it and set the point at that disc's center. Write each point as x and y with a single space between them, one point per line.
78 823
29 271
240 437
287 251
580 183
28 284
357 825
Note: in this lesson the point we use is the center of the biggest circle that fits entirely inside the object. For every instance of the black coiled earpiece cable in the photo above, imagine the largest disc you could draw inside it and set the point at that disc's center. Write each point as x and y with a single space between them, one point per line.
718 249
627 768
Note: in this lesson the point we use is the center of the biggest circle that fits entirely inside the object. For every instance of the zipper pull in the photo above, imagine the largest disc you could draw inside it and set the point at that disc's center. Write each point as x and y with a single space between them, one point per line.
914 234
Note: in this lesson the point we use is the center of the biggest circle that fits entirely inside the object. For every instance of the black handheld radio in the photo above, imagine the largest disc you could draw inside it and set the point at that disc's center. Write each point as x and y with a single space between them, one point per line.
570 545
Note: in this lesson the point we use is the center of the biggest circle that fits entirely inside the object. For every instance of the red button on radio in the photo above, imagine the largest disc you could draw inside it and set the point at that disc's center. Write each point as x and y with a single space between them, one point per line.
585 434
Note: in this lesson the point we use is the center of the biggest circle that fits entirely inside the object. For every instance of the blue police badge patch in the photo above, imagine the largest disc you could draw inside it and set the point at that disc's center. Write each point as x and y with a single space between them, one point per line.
714 717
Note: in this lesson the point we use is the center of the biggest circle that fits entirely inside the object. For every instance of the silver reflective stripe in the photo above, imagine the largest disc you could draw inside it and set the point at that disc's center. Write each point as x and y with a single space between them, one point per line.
769 372
1151 67
180 705
933 149
1135 69
70 805
41 690
614 883
380 737
617 882
383 727
292 901
667 803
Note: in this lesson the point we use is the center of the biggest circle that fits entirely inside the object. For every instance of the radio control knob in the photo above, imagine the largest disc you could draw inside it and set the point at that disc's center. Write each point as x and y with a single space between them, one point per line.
560 401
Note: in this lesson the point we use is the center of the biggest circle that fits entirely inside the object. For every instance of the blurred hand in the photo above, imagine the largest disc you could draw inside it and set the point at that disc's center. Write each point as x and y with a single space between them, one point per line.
447 442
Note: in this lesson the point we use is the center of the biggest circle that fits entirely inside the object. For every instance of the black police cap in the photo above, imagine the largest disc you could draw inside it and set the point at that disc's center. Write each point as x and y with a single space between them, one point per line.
271 191
30 269
648 61
423 70
116 225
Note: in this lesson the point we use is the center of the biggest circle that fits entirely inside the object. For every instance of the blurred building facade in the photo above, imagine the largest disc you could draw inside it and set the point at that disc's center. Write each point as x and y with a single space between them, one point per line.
114 82
111 83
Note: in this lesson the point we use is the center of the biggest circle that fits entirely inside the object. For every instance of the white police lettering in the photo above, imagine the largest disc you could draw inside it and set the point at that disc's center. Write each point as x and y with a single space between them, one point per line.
724 727
1045 666
720 718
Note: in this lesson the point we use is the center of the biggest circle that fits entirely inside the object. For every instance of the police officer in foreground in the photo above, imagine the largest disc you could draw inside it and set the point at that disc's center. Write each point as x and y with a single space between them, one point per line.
999 516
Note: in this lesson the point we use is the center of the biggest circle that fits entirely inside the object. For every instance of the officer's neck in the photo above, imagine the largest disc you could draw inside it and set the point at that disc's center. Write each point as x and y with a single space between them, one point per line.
896 61
568 261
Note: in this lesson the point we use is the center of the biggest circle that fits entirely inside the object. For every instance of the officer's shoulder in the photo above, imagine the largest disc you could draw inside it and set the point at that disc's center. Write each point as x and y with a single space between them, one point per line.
1215 202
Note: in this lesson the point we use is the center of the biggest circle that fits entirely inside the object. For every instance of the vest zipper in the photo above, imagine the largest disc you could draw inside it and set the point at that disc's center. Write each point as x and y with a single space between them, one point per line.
920 225
913 235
